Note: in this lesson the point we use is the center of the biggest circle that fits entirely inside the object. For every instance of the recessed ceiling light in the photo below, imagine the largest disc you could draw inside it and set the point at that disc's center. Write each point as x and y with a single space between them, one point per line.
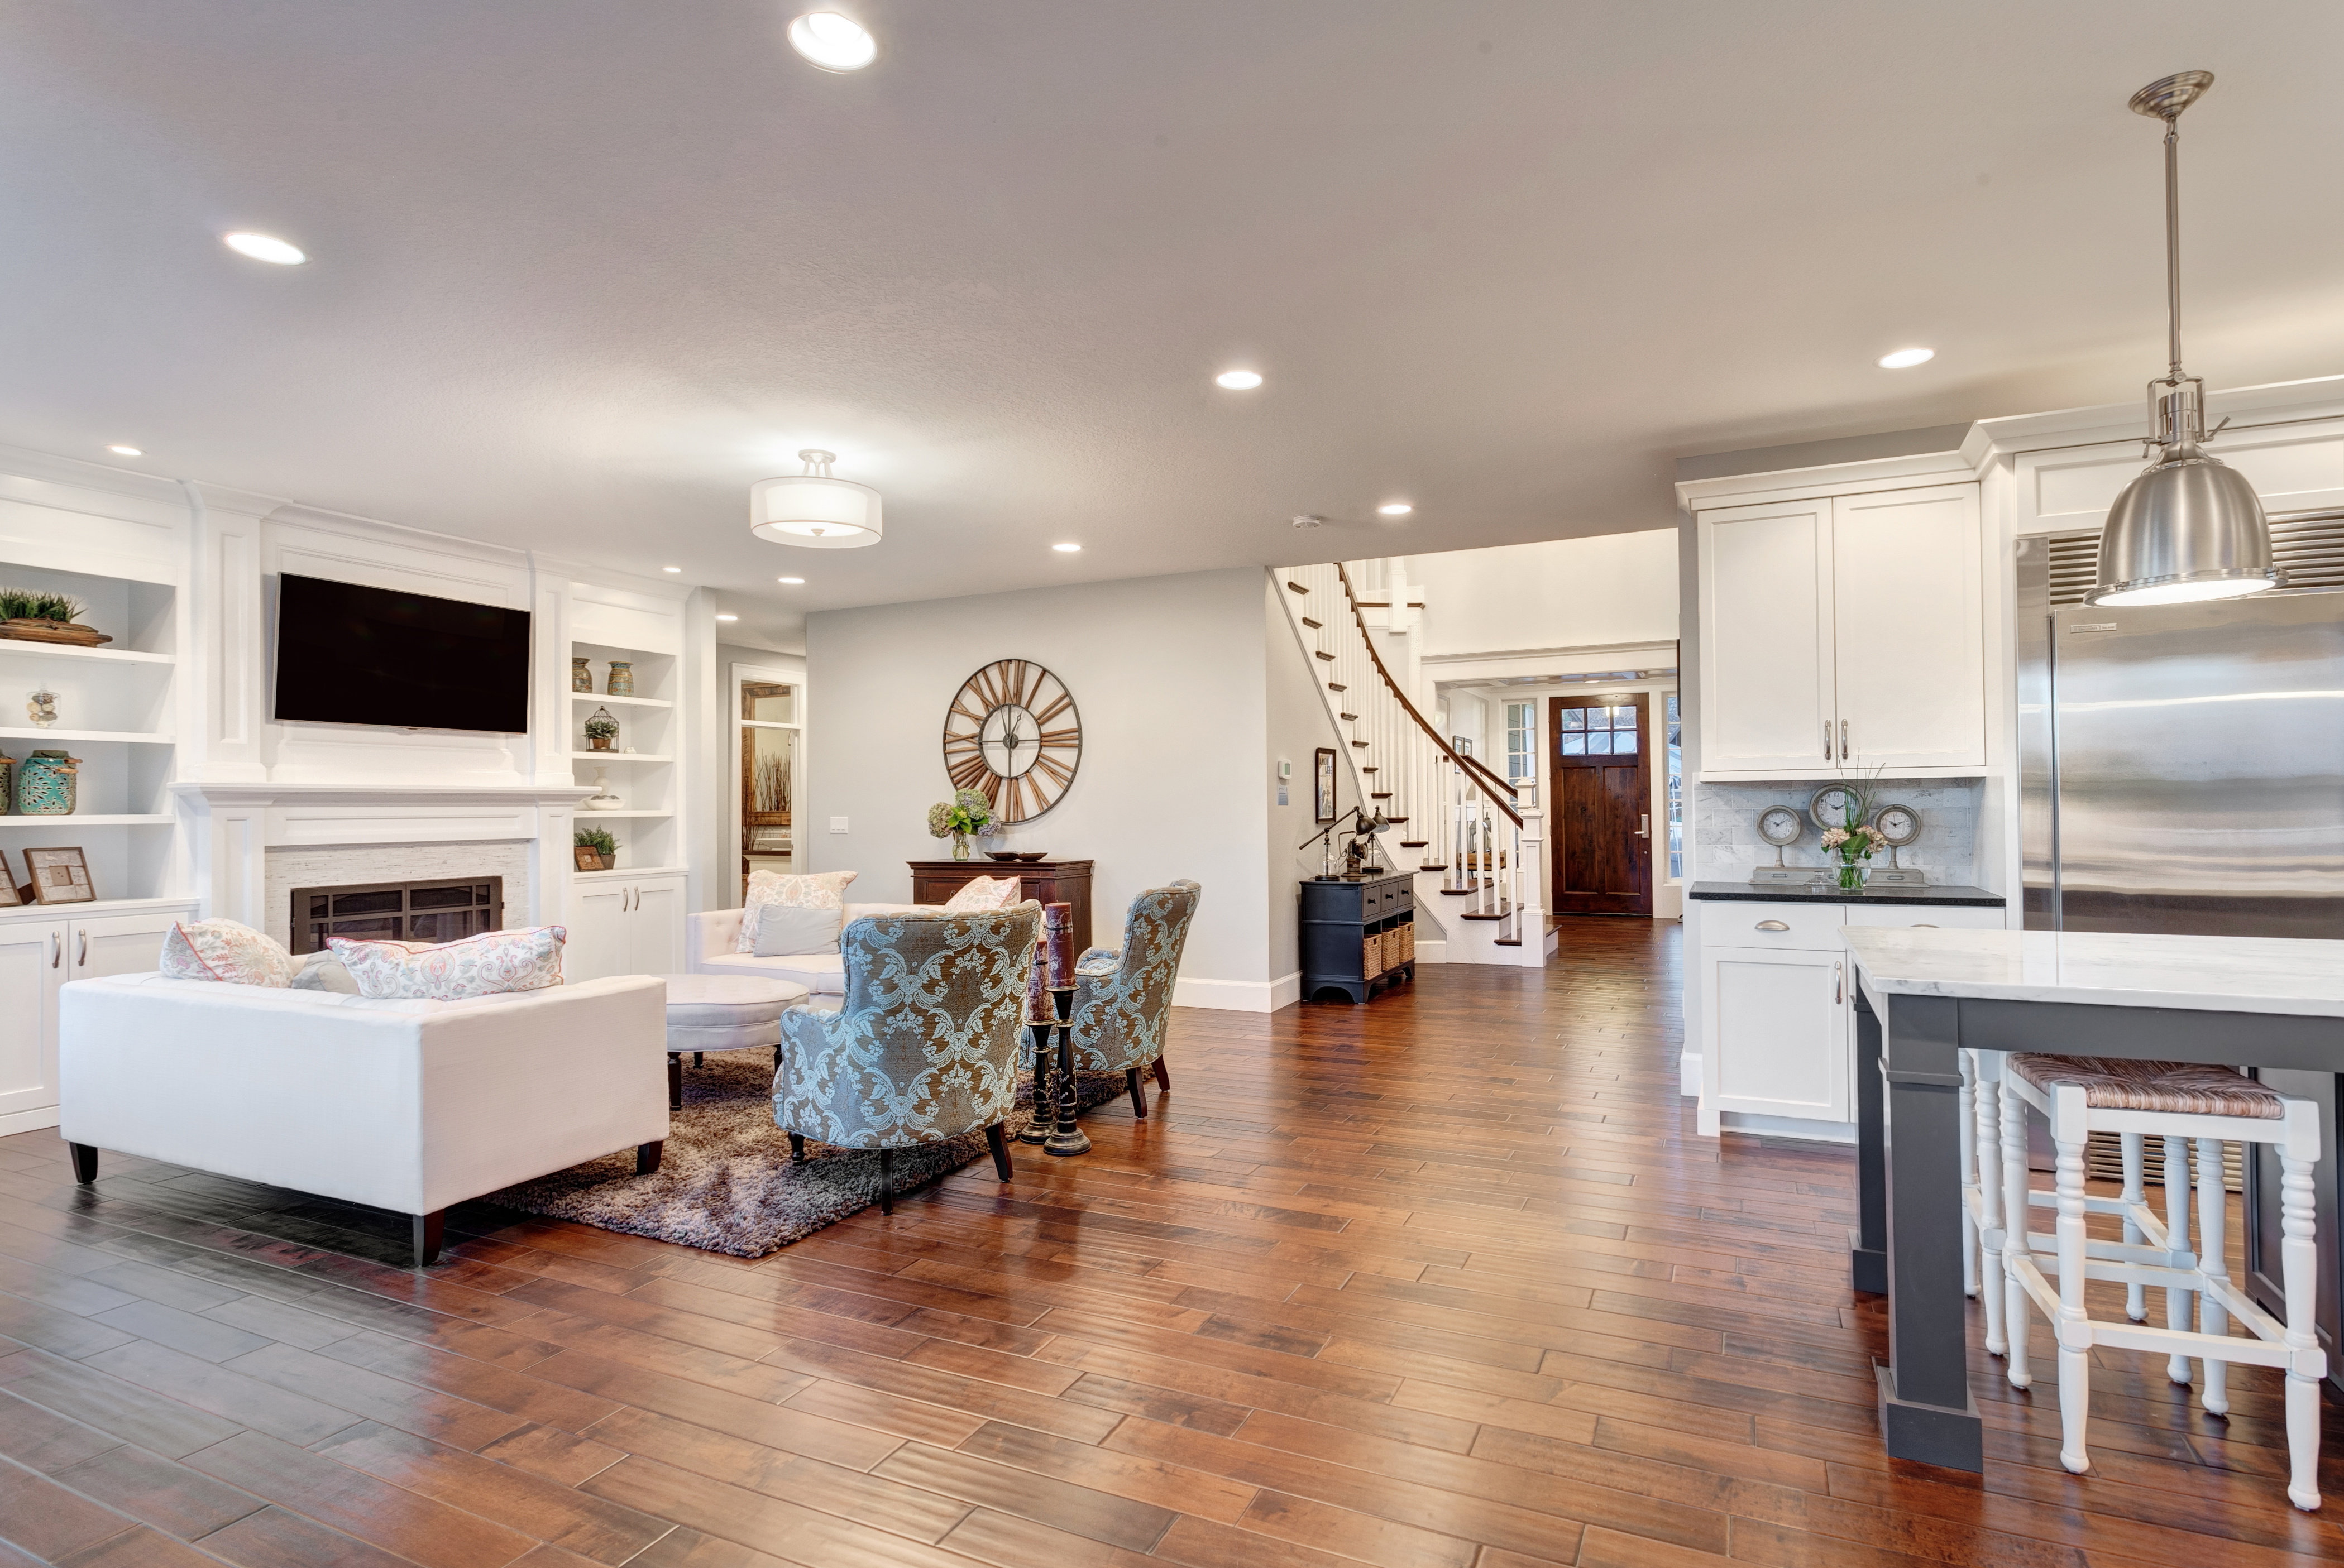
1238 380
265 247
834 42
121 451
728 618
1067 550
794 582
671 569
1395 508
1905 359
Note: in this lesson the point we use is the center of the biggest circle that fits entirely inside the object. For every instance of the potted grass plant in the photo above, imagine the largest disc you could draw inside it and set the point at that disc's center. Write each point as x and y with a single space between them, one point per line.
31 614
595 843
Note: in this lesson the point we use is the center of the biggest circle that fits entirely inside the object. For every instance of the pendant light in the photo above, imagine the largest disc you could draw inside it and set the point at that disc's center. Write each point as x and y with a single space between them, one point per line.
812 510
2190 527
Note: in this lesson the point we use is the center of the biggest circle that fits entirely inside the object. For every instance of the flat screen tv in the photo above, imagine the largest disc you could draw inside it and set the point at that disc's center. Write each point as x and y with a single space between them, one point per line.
352 655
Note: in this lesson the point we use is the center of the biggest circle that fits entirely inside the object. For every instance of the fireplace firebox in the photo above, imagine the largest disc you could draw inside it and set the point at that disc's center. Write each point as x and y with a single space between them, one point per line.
443 910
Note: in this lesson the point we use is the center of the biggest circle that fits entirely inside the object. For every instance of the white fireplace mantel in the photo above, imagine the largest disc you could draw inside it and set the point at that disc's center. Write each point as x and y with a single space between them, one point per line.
235 825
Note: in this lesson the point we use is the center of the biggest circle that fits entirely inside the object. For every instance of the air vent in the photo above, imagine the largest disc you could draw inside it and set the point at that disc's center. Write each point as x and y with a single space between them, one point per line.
2310 550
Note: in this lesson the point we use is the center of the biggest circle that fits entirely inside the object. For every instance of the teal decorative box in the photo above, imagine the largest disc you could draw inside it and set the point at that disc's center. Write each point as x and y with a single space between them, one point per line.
48 784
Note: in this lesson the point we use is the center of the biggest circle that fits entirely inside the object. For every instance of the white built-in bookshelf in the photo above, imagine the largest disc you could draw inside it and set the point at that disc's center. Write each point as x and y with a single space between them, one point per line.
646 776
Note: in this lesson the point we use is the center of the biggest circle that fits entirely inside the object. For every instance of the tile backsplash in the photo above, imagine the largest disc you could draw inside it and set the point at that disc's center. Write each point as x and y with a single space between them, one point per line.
1725 828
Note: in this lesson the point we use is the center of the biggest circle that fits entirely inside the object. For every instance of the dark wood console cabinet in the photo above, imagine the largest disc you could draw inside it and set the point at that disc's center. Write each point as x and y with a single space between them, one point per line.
1341 918
1043 882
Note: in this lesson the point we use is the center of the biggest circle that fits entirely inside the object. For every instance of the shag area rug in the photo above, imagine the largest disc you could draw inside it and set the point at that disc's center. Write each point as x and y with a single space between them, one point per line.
725 1182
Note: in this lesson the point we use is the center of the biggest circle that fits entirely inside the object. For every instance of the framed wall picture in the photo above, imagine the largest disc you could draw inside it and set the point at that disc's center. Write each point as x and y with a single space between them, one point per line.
59 876
9 897
588 858
1322 784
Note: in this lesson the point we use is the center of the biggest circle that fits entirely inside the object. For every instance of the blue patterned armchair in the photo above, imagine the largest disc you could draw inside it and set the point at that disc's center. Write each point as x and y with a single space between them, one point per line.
924 1046
1123 1000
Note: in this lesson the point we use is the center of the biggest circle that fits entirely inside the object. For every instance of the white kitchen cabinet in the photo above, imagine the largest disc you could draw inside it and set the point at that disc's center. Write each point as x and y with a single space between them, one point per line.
40 952
1778 1003
1777 1029
624 923
1839 631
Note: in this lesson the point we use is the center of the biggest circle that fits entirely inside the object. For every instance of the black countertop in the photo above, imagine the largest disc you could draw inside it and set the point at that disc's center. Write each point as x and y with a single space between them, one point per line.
1824 893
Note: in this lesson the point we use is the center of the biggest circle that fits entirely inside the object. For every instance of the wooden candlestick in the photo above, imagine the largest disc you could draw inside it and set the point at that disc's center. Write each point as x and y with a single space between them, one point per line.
1058 939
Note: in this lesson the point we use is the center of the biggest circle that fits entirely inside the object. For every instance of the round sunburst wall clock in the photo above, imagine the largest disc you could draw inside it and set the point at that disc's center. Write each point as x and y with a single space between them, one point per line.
1013 735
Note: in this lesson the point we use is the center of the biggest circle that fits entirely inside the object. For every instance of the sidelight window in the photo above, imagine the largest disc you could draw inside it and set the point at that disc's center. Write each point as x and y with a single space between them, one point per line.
1522 745
1676 791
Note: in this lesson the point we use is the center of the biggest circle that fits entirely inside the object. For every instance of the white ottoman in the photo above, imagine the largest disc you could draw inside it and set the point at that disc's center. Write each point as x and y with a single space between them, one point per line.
722 1012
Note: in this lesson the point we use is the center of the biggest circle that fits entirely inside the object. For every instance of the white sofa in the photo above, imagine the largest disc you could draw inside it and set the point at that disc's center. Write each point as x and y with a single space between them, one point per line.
714 933
409 1106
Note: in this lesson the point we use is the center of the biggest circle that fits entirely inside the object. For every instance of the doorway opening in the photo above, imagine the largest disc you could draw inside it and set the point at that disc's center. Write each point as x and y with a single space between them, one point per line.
1601 824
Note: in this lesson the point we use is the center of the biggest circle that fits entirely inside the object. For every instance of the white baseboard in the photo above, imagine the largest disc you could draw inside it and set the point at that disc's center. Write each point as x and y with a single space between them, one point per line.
1432 952
1789 1127
28 1120
1689 1073
1238 996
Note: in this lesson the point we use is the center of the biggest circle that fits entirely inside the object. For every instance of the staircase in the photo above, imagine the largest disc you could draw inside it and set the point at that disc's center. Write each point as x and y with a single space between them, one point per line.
1462 831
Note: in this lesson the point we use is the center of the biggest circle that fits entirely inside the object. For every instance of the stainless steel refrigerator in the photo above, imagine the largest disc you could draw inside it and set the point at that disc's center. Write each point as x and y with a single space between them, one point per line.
2182 770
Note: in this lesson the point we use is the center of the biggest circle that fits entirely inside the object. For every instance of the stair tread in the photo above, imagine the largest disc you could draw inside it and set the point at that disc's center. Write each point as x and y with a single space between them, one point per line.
1461 893
1347 716
1296 587
1313 625
1324 654
1414 844
1379 795
1336 686
1506 942
1359 743
1504 911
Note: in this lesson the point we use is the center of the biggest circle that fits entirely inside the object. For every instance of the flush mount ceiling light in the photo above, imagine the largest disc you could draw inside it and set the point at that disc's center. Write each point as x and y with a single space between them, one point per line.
1238 380
1308 520
122 451
813 510
671 569
834 42
793 582
1394 510
1905 359
265 247
2188 527
728 618
1067 550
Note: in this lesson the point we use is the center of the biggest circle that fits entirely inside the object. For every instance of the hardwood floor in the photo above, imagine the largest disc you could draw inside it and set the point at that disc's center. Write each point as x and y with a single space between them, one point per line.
1443 1281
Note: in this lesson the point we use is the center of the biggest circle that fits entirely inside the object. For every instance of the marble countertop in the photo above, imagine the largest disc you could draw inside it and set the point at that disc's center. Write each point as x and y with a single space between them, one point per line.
2220 974
1824 894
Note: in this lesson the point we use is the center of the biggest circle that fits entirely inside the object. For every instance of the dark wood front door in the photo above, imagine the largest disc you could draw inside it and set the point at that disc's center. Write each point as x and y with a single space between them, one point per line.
1603 801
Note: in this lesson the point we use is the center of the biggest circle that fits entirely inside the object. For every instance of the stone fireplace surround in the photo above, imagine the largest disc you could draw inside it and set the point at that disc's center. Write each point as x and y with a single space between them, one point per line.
254 843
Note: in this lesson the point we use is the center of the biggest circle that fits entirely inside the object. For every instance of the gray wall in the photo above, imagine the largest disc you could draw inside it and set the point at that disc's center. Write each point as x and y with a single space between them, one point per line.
1170 675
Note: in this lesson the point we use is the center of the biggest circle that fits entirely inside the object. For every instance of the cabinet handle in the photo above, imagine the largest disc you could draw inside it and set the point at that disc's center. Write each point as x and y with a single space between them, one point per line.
81 952
1842 739
1826 739
1839 983
1773 926
57 948
1924 926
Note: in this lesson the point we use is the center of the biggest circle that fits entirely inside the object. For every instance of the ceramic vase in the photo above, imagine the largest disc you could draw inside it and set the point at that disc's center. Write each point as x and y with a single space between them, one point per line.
48 784
581 679
622 679
604 799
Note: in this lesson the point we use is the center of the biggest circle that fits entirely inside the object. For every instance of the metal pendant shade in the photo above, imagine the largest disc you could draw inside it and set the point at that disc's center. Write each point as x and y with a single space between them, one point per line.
812 510
2190 525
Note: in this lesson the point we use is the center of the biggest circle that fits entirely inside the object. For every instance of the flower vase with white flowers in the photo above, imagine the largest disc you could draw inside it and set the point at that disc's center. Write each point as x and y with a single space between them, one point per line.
1853 839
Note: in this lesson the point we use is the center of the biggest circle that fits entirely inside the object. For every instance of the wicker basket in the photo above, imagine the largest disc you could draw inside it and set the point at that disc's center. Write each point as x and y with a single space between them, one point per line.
1406 932
1371 958
1392 956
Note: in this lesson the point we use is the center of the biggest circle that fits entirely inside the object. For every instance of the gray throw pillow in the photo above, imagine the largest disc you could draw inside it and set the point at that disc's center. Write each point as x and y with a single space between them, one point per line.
785 931
324 971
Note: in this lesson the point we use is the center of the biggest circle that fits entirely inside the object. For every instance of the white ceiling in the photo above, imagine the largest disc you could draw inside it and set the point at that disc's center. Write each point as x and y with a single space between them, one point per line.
584 268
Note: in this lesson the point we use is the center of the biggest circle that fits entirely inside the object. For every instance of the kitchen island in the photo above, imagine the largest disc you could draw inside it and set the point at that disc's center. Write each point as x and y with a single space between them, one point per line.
1922 996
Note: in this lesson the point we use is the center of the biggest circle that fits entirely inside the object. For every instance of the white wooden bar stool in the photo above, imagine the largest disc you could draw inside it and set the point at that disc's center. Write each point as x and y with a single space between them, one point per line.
2083 1094
1991 1189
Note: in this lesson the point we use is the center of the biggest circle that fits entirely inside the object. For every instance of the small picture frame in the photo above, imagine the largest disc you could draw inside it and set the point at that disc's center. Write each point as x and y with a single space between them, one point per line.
1461 744
1322 784
59 876
9 897
587 858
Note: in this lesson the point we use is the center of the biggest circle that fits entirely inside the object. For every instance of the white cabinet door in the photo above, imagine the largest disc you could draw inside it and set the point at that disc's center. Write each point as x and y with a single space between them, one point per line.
1909 620
654 928
32 965
1776 1021
1766 693
596 945
116 945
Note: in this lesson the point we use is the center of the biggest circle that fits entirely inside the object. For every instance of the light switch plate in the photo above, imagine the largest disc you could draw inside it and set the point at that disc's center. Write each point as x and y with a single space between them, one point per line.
838 824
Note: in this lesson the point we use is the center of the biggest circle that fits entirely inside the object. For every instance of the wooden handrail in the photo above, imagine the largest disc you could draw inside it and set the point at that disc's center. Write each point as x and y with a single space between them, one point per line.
1477 766
1351 598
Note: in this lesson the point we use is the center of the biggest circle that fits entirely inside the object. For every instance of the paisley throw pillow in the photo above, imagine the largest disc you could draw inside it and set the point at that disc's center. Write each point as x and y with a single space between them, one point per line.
809 890
983 894
227 950
490 964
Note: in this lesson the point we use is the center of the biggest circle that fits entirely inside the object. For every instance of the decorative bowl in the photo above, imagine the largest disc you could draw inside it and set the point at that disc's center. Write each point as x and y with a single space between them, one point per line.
1003 855
1030 855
